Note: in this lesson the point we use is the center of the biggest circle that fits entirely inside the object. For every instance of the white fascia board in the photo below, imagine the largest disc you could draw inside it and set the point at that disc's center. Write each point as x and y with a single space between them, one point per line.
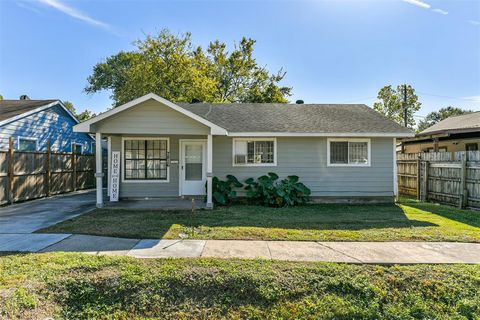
85 126
320 134
26 114
68 112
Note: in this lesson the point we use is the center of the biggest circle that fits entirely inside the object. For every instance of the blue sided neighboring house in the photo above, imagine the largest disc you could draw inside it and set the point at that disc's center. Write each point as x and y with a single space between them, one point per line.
32 123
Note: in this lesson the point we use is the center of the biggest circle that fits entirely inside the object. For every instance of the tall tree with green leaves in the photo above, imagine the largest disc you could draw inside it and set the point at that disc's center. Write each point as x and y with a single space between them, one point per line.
170 66
437 116
391 104
82 116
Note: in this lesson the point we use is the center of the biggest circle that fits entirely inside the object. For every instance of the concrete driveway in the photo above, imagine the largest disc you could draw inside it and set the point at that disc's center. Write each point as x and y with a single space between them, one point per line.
29 216
18 221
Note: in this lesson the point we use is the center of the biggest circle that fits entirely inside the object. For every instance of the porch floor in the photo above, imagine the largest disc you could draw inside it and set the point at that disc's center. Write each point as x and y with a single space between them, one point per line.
158 203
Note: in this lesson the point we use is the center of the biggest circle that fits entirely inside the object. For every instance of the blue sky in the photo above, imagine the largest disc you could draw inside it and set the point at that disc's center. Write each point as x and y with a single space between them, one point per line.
333 51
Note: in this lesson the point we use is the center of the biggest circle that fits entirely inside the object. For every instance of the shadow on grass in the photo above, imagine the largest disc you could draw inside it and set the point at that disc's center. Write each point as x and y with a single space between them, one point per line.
470 217
156 223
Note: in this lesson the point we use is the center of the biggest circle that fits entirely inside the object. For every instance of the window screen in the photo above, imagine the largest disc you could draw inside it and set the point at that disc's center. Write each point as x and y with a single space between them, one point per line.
348 152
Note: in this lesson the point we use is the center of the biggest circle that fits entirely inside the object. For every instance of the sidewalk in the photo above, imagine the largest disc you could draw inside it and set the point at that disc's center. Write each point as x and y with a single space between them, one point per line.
350 252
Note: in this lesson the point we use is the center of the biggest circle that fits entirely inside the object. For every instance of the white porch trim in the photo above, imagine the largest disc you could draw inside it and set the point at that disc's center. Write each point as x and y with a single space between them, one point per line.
209 171
86 125
98 166
395 177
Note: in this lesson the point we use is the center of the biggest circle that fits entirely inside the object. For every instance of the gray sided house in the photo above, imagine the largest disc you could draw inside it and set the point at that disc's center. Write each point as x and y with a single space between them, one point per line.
173 149
32 123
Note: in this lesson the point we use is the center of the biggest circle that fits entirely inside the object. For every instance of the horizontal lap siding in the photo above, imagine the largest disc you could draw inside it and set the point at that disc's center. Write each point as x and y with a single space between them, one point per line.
154 189
151 117
307 158
52 124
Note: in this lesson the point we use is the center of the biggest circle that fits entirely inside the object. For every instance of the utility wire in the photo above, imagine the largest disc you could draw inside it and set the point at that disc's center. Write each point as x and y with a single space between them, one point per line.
441 96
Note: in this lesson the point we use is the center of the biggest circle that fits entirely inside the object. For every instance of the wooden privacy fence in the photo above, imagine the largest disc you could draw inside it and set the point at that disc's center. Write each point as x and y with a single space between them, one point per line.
30 175
445 177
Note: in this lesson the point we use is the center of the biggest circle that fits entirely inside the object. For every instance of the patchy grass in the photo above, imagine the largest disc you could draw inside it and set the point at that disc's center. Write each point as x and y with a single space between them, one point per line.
407 221
76 286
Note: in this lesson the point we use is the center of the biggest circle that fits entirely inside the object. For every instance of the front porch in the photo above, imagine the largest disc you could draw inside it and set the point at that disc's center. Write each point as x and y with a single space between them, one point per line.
156 171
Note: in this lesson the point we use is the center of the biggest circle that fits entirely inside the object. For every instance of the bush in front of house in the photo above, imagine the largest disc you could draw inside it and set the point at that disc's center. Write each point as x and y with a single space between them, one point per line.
223 190
268 190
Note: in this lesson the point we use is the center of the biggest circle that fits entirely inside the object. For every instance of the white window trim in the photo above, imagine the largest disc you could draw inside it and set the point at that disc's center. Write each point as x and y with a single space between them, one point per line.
122 163
369 147
274 164
27 138
76 143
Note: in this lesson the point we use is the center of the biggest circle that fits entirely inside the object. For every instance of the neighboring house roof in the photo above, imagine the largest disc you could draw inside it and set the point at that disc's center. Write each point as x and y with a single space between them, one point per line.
464 123
262 119
295 118
12 110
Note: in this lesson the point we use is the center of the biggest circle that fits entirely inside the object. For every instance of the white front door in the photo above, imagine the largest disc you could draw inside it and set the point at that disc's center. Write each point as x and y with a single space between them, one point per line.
193 167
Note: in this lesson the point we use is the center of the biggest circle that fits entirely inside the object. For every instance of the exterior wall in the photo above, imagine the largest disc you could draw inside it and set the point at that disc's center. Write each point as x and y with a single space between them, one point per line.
153 189
305 157
459 145
150 118
52 124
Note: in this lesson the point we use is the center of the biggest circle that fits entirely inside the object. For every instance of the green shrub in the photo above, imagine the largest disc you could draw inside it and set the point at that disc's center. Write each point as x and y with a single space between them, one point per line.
223 191
269 191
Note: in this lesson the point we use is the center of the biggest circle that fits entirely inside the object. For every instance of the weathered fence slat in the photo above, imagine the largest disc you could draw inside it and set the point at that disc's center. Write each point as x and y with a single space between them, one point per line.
446 177
30 175
10 171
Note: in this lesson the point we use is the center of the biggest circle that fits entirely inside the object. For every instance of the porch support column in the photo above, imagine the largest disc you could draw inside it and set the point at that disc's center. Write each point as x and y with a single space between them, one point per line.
395 176
98 166
209 171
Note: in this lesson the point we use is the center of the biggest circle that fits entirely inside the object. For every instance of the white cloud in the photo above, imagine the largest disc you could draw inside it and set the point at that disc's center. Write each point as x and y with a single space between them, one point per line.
419 3
474 99
440 11
24 5
474 22
74 13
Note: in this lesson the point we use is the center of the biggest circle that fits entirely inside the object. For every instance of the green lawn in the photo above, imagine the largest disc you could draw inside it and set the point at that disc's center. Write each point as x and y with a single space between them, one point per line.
410 220
76 286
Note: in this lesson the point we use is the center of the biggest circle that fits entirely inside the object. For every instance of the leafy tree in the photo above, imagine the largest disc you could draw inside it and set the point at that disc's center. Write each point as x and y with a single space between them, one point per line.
82 116
391 104
173 68
1 97
437 116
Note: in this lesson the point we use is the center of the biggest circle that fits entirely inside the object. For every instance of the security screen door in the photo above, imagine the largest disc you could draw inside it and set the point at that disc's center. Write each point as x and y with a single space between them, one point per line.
193 166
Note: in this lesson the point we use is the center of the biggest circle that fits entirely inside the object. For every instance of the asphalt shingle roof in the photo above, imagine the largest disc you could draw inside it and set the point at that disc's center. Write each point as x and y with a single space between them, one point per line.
460 123
13 108
295 118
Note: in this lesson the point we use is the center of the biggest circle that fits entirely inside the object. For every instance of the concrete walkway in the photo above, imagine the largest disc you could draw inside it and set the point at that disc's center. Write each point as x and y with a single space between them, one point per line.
349 252
17 222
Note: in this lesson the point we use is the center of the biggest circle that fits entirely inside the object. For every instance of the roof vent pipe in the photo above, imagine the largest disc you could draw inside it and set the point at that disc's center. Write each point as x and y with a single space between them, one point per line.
299 102
24 97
